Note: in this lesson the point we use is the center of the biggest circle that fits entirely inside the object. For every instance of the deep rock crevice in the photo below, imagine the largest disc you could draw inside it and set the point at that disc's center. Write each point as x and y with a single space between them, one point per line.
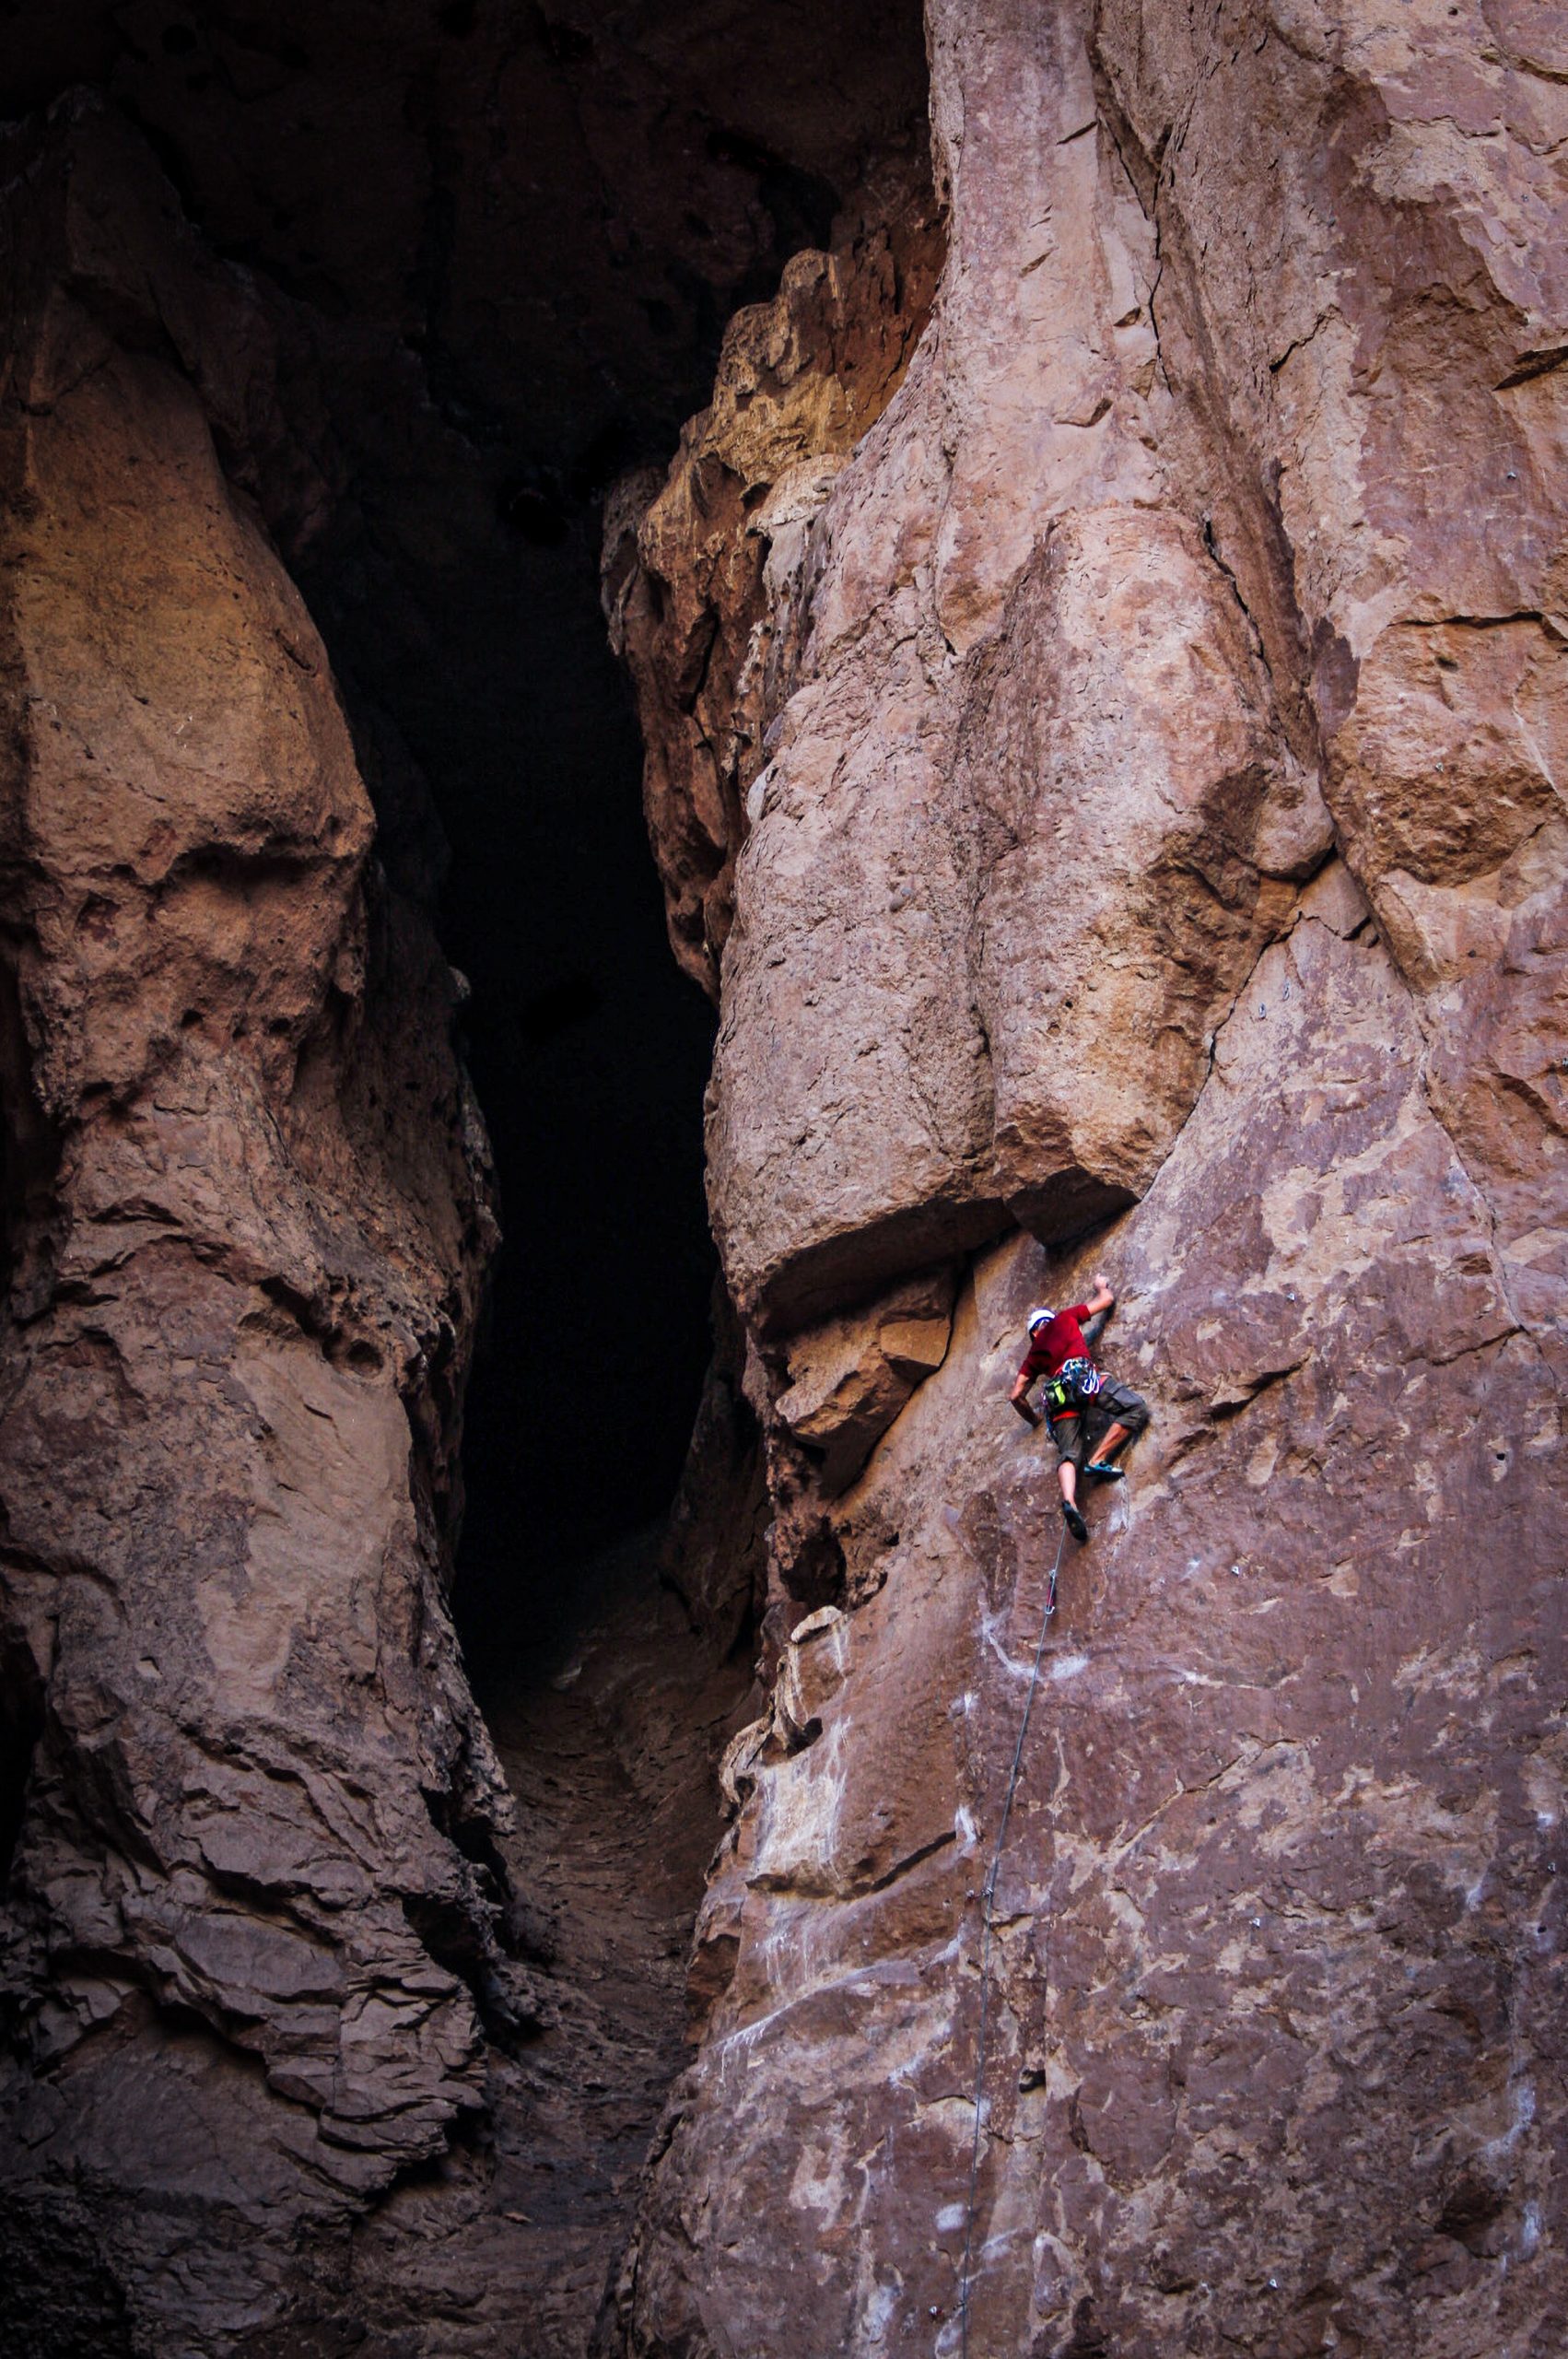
1066 772
282 870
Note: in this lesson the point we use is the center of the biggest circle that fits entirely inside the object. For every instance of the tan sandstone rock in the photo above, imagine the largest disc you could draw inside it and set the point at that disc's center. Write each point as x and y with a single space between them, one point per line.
1268 1925
1030 789
850 1378
1162 830
700 570
253 1913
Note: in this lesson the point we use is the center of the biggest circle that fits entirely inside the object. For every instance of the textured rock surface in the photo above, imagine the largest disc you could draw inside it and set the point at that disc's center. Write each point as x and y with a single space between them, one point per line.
1125 728
313 2043
1274 1985
280 2034
608 1745
700 571
850 1378
1162 825
1387 340
509 238
253 1906
1030 782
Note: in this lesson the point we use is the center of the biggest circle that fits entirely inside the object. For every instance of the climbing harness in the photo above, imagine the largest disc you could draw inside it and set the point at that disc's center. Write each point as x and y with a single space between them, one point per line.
1075 1381
988 1895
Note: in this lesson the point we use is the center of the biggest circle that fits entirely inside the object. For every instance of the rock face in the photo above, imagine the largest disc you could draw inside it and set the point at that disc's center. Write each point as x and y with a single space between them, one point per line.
1101 657
699 570
1160 834
292 2059
313 2038
507 241
850 1378
253 1908
608 1747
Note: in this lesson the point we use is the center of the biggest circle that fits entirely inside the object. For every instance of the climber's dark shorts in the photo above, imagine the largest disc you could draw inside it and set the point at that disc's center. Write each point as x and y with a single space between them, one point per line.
1079 1436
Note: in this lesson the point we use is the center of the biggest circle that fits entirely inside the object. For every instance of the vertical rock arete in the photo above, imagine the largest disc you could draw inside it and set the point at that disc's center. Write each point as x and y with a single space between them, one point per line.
1151 858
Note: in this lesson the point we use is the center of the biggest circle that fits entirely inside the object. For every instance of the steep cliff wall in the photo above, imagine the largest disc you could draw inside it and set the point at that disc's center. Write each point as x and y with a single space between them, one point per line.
510 237
1159 835
253 1898
1101 661
311 2041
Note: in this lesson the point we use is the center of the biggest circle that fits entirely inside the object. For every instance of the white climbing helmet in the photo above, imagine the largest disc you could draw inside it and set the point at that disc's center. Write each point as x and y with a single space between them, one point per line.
1040 1318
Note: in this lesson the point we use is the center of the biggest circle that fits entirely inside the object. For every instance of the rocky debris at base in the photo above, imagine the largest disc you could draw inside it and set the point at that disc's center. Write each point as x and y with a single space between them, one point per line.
608 1748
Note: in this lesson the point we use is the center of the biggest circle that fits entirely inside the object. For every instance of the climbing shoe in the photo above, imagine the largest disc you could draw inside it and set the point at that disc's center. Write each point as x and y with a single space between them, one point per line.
1074 1521
1106 1472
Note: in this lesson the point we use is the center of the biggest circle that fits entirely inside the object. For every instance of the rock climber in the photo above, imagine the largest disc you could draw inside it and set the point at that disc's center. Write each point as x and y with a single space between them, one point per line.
1085 1409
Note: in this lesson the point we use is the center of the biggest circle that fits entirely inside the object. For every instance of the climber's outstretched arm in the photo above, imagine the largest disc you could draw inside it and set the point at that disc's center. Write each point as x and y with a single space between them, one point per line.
1102 1298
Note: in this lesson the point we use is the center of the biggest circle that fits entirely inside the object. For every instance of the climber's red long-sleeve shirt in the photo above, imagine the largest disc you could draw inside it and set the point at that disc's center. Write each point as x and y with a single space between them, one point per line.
1062 1339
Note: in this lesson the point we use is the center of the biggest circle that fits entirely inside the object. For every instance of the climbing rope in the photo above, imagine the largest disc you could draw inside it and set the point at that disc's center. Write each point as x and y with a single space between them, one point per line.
988 1895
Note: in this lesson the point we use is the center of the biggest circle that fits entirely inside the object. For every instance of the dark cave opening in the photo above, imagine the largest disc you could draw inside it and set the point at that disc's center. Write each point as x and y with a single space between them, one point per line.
22 1728
589 1053
509 238
500 245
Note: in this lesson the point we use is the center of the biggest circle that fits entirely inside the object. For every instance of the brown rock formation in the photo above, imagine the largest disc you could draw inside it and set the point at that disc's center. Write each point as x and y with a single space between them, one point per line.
253 1905
941 765
1105 716
608 1748
310 2043
1162 810
850 1378
701 572
290 2049
505 241
1272 1995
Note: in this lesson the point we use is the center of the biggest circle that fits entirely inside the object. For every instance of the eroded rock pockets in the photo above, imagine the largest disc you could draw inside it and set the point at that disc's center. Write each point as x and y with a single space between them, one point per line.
253 1901
1159 823
704 565
288 2059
